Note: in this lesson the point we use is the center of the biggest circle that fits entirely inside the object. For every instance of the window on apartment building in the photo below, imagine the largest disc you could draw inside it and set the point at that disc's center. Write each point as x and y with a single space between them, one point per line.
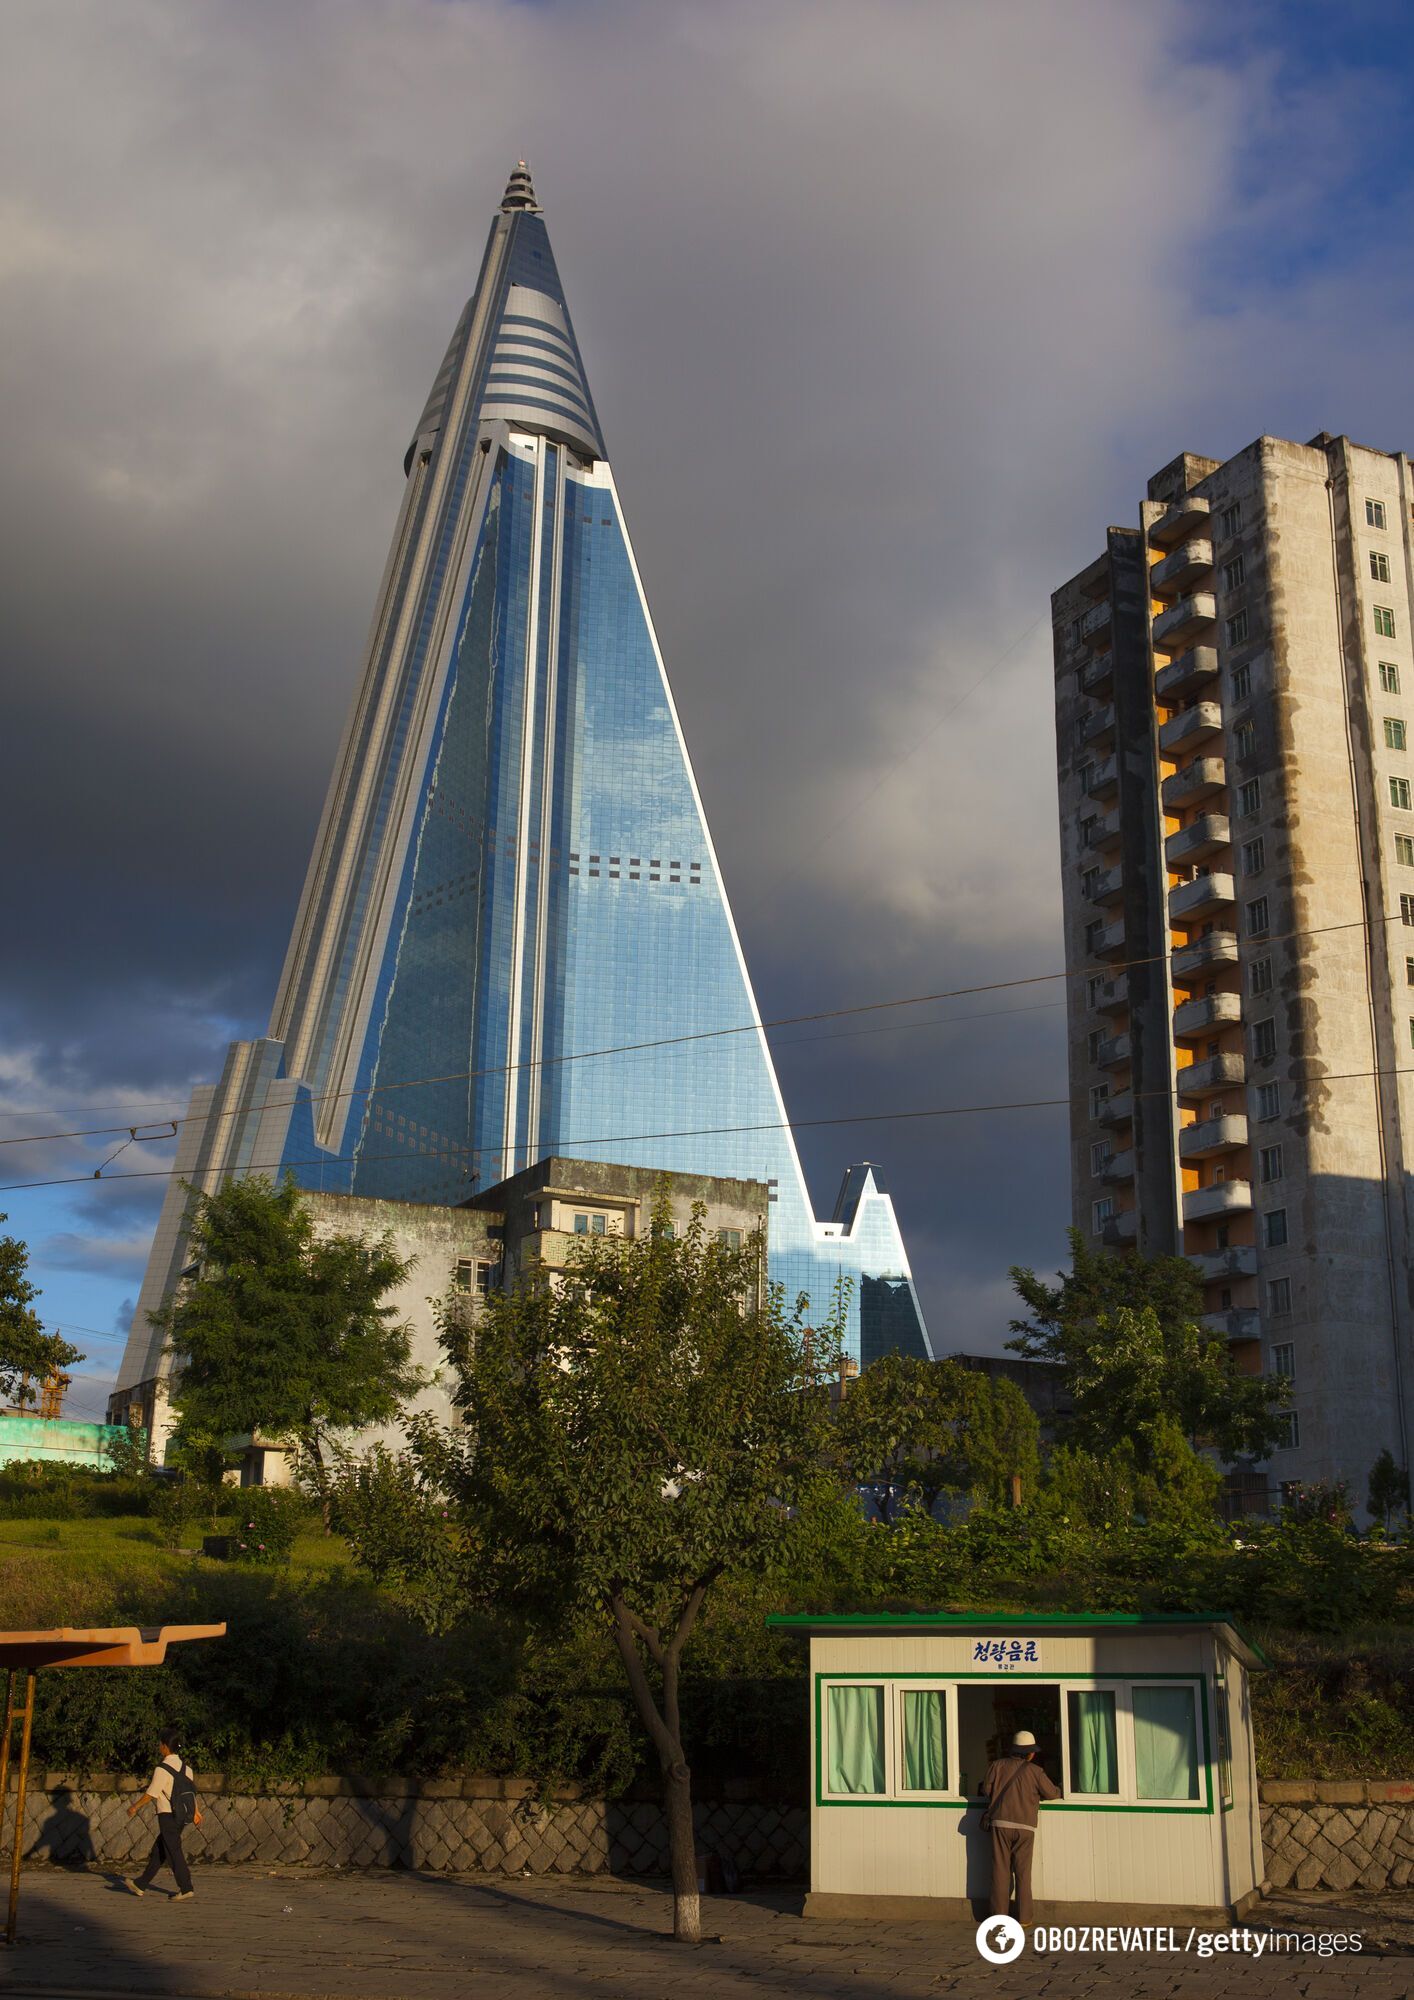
591 1225
1101 1212
1259 976
1404 850
1290 1436
1254 857
1269 1167
730 1239
473 1275
1389 677
1374 513
1411 1031
1244 739
1399 793
1096 1041
1090 881
1258 921
1236 628
1087 829
1406 909
1084 773
1249 797
1268 1100
1230 519
1394 733
1234 573
1242 681
1384 621
1099 1098
666 1232
1274 1228
1101 1153
1095 989
1379 566
1409 971
1279 1301
1095 934
1264 1040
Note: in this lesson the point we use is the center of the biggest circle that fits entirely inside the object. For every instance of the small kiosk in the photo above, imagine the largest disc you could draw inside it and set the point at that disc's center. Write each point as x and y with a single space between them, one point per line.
1144 1720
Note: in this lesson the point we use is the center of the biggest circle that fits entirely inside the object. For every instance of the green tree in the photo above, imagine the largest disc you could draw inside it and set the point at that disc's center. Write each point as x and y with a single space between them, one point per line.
651 1425
1388 1492
1128 1332
28 1355
284 1332
936 1427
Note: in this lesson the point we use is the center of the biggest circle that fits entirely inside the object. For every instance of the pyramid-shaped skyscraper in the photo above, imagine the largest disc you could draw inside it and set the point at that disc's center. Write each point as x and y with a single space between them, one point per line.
514 940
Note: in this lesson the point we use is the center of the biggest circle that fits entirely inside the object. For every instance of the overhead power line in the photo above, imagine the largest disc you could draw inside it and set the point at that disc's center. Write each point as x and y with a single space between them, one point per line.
1111 967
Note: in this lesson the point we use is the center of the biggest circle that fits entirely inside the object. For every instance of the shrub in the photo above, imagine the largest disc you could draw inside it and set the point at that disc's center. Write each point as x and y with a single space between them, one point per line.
265 1523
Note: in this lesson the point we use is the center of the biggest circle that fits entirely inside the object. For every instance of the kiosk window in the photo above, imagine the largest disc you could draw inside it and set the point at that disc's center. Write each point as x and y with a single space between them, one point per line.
925 1738
1094 1748
856 1741
1165 1743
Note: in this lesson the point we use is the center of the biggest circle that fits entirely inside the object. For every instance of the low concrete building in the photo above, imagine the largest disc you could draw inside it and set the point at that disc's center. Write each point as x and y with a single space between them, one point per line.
59 1441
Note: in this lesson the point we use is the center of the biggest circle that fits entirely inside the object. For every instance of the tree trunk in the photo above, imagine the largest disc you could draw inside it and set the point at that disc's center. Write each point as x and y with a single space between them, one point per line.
664 1726
321 1479
682 1849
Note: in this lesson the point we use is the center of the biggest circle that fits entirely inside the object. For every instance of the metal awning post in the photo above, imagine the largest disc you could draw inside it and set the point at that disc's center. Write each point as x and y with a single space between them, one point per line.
17 1848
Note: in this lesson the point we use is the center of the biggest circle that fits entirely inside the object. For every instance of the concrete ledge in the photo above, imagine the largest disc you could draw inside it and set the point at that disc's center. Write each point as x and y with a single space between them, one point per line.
960 1910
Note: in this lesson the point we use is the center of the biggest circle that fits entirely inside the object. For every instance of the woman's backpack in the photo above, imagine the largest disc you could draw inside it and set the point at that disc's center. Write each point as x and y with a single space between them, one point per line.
183 1796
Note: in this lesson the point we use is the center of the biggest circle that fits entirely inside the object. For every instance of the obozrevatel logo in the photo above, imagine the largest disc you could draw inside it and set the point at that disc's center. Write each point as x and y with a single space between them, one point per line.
1000 1940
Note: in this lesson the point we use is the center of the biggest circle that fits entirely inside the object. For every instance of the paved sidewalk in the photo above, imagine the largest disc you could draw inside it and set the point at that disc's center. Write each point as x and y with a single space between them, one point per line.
390 1936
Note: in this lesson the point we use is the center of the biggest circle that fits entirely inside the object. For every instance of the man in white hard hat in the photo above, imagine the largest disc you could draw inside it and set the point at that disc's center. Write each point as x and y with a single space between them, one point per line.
1014 1787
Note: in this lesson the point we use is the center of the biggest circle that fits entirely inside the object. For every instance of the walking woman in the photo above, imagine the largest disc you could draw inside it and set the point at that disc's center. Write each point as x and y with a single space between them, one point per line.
172 1789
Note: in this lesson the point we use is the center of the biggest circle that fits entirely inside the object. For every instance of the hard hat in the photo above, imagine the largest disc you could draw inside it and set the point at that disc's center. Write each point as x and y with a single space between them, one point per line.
1023 1740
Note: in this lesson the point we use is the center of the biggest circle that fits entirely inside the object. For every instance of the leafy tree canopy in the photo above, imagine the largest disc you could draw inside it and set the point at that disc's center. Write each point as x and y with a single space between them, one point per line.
284 1332
645 1426
1128 1332
28 1355
1388 1493
936 1427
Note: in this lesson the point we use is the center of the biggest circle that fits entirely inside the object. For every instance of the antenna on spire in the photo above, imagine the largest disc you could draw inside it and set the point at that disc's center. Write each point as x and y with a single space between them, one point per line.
519 191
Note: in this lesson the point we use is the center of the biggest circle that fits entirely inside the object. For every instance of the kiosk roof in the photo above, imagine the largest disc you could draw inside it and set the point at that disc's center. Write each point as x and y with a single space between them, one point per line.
843 1624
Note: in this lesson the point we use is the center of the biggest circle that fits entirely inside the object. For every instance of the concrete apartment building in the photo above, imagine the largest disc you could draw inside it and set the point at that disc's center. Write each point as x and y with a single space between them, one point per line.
1234 706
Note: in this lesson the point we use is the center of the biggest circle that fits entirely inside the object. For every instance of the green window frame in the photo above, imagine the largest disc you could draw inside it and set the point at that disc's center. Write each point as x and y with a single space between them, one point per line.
856 1741
1092 1743
1168 1748
924 1728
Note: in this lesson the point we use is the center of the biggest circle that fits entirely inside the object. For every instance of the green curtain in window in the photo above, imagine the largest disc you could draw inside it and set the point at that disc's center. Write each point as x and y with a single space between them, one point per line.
856 1739
1094 1756
925 1759
1165 1743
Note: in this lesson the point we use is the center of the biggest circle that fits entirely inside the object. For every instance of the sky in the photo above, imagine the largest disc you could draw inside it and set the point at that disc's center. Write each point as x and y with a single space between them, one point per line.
888 309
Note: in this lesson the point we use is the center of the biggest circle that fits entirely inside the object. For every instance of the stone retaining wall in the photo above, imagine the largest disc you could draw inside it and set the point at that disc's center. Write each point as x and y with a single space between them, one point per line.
1317 1834
463 1825
1355 1833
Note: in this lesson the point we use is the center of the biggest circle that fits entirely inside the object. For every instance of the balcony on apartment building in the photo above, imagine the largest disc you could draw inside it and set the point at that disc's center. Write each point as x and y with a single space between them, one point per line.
1117 1110
1108 943
1104 779
1102 834
1097 729
1112 994
1204 954
1200 840
1182 520
1211 1136
1222 1198
1113 1052
1195 1020
1198 780
1216 1266
1095 625
1184 623
1191 901
1216 1073
1122 1229
1186 674
1103 886
1097 676
1189 564
1237 1323
1190 727
1119 1168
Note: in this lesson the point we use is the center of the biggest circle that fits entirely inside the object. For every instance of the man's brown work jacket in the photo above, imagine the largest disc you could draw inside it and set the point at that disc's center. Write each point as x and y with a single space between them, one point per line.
1018 1808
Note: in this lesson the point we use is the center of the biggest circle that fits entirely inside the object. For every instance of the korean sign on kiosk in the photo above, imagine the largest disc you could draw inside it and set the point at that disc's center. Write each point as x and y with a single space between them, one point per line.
1142 1720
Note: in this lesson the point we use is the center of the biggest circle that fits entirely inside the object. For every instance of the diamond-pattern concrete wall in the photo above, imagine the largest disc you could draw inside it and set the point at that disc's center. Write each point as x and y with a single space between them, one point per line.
1355 1833
463 1826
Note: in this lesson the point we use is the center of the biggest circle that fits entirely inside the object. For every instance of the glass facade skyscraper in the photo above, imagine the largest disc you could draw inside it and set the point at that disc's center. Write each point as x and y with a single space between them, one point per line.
514 939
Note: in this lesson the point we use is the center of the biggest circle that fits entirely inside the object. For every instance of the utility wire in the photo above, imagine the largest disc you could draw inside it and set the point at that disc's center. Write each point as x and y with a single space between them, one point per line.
567 1147
1110 967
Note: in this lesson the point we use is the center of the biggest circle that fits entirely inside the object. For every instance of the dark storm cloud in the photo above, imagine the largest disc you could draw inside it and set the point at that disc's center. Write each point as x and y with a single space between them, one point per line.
886 310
